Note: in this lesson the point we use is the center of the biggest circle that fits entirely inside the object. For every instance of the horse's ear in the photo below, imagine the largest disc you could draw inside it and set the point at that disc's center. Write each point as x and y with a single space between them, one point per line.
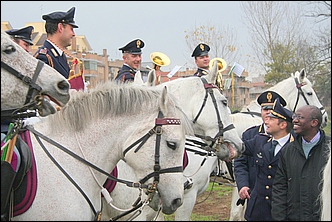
151 78
302 75
166 101
138 78
212 75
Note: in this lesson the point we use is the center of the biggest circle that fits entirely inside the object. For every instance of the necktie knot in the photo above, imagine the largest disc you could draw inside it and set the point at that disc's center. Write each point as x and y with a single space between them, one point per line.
271 150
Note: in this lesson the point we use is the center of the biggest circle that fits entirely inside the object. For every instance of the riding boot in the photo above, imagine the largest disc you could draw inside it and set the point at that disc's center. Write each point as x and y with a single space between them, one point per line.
7 178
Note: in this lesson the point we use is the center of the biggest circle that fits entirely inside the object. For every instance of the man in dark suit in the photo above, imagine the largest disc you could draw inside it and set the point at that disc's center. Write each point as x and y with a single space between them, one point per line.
59 27
264 148
132 57
244 166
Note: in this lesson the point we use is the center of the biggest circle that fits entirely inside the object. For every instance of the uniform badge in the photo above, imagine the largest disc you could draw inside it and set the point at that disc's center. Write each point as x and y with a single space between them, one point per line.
269 97
138 44
43 51
201 46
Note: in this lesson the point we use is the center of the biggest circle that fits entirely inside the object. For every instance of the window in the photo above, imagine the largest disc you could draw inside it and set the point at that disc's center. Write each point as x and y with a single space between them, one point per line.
90 65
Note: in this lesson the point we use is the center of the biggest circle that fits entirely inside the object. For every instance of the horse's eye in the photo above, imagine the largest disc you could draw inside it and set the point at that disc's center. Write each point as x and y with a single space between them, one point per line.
10 49
309 93
224 102
171 145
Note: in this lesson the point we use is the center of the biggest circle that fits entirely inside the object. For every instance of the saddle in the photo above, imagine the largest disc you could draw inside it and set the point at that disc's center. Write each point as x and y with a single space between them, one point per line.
13 183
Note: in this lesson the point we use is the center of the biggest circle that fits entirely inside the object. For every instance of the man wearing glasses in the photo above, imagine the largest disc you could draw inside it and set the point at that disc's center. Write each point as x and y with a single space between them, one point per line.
244 166
297 183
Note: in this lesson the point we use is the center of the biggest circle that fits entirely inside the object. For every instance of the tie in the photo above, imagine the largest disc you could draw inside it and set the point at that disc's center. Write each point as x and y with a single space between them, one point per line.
272 148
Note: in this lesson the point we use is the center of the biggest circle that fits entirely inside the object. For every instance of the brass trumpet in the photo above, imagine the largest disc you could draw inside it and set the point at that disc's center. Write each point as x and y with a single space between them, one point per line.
222 65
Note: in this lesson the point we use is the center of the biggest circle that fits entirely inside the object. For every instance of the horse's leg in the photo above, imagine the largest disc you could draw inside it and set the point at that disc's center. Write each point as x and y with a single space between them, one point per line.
183 213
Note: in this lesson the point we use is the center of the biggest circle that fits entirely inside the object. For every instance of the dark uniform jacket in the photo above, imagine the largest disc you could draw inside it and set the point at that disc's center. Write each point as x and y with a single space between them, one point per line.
200 72
126 74
297 182
244 166
259 205
48 54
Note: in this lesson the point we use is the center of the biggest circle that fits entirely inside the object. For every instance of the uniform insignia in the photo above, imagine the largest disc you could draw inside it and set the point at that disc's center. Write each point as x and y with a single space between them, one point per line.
204 72
138 43
269 97
259 155
43 51
54 52
201 46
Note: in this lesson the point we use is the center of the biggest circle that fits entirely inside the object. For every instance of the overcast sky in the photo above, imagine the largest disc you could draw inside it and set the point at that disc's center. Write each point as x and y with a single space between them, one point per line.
160 24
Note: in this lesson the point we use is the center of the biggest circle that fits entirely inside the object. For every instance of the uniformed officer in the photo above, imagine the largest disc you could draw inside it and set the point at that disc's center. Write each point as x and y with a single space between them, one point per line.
132 57
278 126
22 37
202 59
59 27
244 166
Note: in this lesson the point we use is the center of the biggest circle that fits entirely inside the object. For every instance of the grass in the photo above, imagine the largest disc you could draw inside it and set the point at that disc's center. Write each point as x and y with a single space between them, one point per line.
219 191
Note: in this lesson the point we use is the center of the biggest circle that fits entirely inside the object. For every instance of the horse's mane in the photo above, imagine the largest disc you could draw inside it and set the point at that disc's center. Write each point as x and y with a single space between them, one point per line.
110 99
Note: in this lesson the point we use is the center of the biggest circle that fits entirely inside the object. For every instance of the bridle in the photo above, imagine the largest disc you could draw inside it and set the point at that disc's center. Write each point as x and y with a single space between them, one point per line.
300 92
218 137
151 187
34 90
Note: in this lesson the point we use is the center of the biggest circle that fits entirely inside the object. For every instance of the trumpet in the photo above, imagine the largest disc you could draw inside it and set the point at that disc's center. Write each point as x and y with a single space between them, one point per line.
222 65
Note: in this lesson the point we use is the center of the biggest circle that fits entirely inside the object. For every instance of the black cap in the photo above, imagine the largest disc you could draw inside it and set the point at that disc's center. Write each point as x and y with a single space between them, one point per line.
63 17
267 98
280 112
23 33
133 47
201 50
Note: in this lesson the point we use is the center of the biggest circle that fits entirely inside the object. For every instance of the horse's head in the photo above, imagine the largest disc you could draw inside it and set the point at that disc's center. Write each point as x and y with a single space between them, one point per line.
26 83
297 91
160 161
214 119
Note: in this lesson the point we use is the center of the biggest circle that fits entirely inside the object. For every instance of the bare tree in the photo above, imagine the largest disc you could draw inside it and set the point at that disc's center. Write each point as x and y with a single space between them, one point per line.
222 42
272 24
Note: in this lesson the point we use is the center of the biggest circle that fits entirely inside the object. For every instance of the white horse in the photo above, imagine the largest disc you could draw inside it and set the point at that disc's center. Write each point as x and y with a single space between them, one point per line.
192 93
102 126
297 91
325 196
26 83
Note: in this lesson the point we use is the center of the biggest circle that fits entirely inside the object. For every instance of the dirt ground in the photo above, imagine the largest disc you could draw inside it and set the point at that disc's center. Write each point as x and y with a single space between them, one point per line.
218 206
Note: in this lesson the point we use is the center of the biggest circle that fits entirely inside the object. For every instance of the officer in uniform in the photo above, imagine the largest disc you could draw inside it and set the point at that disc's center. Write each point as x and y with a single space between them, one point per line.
244 166
279 126
22 37
202 59
132 57
52 52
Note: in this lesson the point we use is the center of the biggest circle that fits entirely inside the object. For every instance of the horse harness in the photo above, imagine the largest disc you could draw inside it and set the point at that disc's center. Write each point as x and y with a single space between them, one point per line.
218 137
151 188
34 89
